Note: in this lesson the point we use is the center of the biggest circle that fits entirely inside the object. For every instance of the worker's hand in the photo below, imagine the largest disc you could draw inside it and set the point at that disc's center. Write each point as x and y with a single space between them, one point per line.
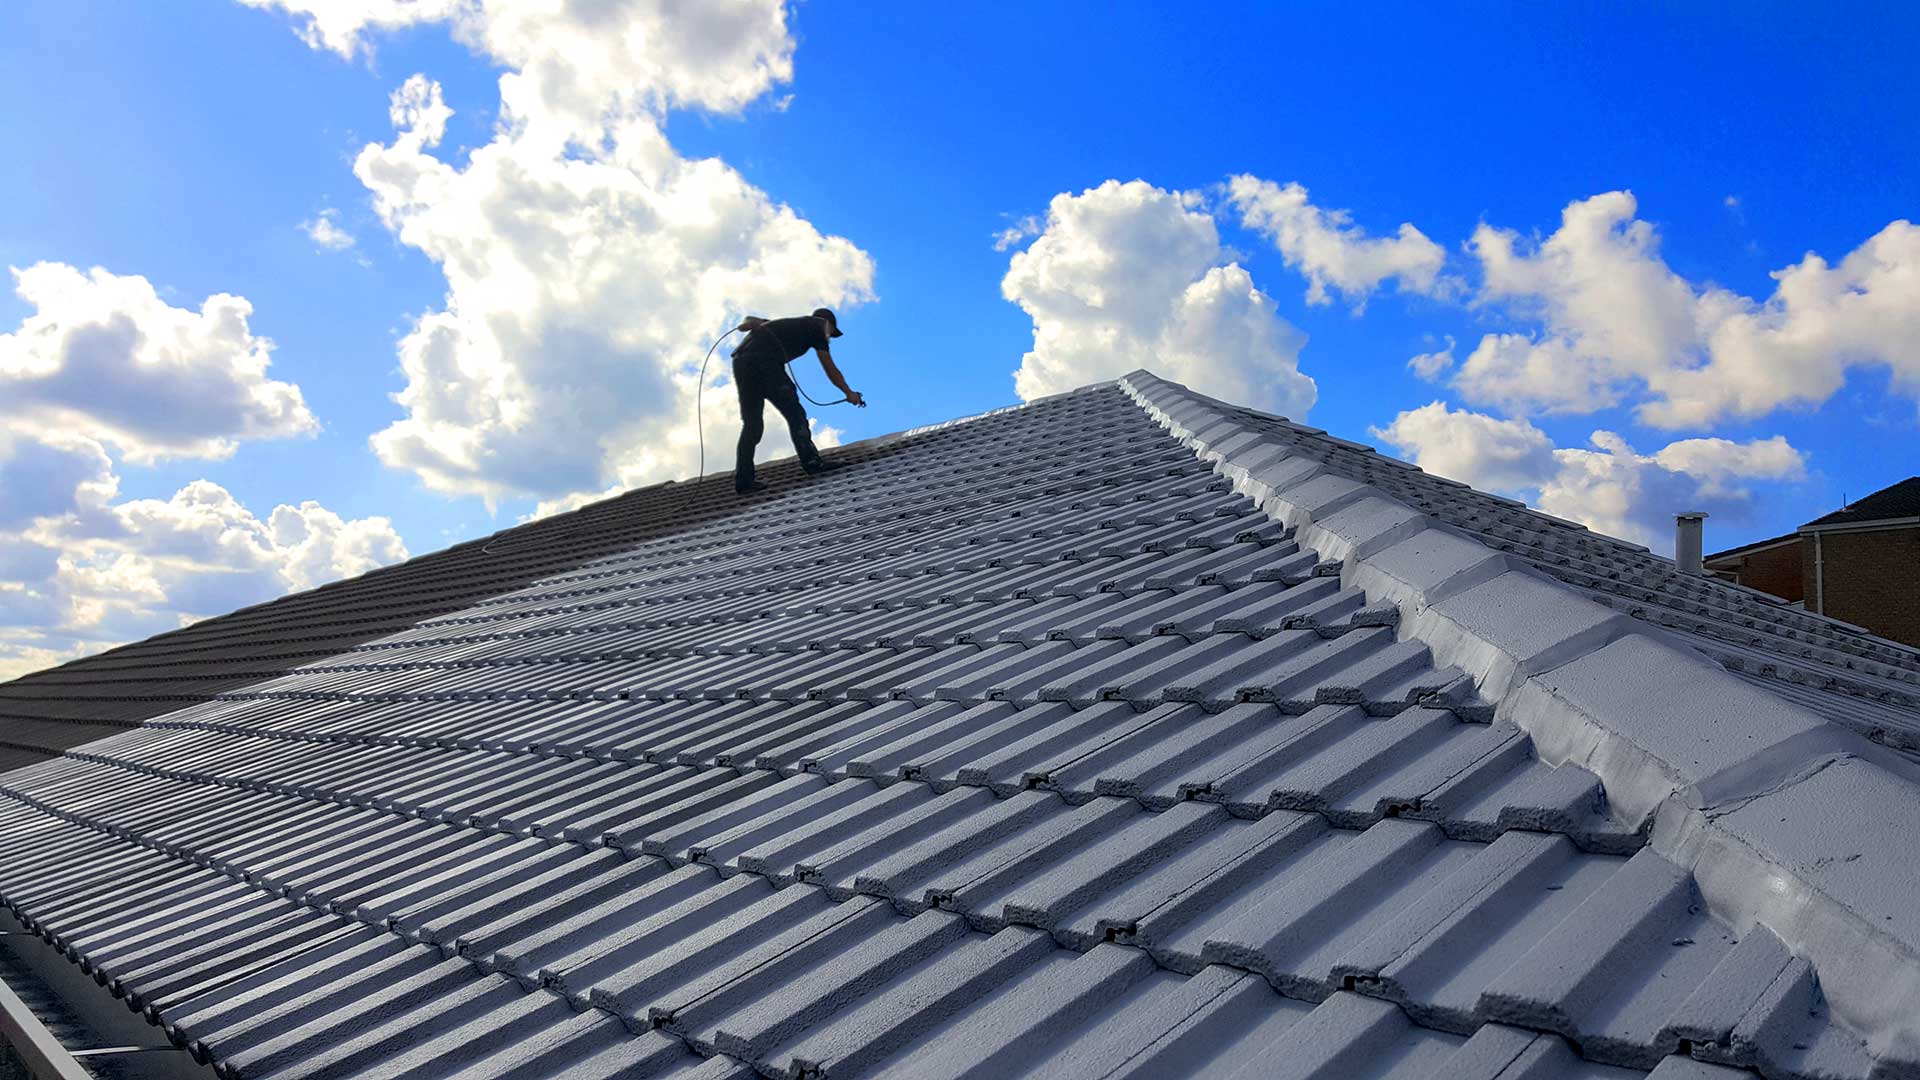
854 397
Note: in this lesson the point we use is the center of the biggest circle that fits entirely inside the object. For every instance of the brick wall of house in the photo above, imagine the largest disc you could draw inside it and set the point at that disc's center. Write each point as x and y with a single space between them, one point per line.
1776 570
1872 579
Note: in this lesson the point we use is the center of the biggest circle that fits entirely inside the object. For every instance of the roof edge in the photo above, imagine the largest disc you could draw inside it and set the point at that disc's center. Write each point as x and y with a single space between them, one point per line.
122 1041
1754 547
1864 525
43 1055
1720 771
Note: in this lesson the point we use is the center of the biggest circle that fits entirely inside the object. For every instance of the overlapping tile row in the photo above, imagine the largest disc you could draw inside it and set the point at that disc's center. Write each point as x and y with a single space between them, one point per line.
848 835
971 531
1308 907
129 915
1036 746
284 989
368 1003
745 616
801 987
941 463
932 610
1335 760
1190 613
1872 684
1296 669
137 681
736 963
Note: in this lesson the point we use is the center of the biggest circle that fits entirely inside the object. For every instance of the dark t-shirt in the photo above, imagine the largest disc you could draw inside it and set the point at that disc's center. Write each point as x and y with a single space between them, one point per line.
781 340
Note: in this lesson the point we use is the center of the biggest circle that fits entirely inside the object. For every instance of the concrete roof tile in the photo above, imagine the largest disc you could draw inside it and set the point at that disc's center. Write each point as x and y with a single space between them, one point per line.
948 777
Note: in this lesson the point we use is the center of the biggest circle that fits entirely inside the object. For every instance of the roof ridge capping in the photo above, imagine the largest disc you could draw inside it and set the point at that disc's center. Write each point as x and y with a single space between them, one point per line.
1785 820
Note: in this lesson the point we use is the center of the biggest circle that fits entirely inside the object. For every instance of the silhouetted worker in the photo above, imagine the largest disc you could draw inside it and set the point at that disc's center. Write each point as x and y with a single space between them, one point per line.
760 373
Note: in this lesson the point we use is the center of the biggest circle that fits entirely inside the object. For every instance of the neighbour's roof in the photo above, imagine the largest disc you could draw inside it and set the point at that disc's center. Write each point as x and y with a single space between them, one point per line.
1901 500
1123 733
1771 541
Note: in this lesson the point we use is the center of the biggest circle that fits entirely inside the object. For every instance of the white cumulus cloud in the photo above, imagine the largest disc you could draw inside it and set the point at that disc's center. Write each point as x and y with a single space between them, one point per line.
1018 233
103 370
1617 324
1490 453
82 570
1327 247
325 231
586 61
342 25
1608 486
1431 365
1126 276
102 355
588 264
1796 347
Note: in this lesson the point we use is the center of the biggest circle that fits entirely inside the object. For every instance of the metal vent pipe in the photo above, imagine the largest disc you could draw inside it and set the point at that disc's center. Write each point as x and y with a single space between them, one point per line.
1686 541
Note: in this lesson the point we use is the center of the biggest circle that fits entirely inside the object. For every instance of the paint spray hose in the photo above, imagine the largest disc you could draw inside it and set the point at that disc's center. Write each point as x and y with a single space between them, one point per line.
699 394
699 402
508 541
768 327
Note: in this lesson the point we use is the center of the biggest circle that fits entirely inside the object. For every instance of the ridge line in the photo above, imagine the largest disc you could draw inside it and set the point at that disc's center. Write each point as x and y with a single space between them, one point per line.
1597 688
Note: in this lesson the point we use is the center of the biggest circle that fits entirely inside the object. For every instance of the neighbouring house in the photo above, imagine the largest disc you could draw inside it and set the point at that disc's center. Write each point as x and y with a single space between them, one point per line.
1771 565
1859 564
1126 733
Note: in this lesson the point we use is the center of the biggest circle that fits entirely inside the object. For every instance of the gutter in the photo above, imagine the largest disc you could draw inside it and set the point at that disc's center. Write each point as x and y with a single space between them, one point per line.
1784 820
97 1025
24 1034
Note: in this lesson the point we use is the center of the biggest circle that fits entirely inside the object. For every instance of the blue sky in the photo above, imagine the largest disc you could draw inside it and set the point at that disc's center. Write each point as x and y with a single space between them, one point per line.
571 271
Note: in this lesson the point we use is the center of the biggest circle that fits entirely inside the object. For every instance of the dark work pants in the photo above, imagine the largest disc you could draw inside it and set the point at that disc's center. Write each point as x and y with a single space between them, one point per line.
758 384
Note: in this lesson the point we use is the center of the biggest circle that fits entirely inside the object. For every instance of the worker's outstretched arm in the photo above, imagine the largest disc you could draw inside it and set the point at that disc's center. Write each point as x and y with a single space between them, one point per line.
834 376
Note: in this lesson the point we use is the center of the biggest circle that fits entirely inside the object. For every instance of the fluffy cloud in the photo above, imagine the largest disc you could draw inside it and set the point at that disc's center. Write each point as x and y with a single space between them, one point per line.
1128 275
1431 365
1610 487
103 356
325 231
588 264
1796 347
1018 233
1615 322
341 25
1330 250
587 60
1522 375
105 369
1487 452
80 571
51 475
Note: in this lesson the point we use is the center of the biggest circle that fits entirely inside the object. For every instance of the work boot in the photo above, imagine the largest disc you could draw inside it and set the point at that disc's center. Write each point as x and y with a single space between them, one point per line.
822 466
750 488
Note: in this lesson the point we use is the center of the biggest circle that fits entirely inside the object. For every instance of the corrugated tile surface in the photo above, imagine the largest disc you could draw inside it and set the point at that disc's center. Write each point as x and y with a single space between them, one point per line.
46 712
1840 671
1027 747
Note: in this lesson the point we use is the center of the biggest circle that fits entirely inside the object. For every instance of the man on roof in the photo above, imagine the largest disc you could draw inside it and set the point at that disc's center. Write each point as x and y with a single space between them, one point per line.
760 374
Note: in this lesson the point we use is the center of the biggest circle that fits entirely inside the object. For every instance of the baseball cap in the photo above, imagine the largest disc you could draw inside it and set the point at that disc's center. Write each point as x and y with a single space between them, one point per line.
833 324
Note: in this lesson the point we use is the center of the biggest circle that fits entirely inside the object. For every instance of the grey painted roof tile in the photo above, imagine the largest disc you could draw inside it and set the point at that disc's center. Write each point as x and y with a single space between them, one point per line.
1071 760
